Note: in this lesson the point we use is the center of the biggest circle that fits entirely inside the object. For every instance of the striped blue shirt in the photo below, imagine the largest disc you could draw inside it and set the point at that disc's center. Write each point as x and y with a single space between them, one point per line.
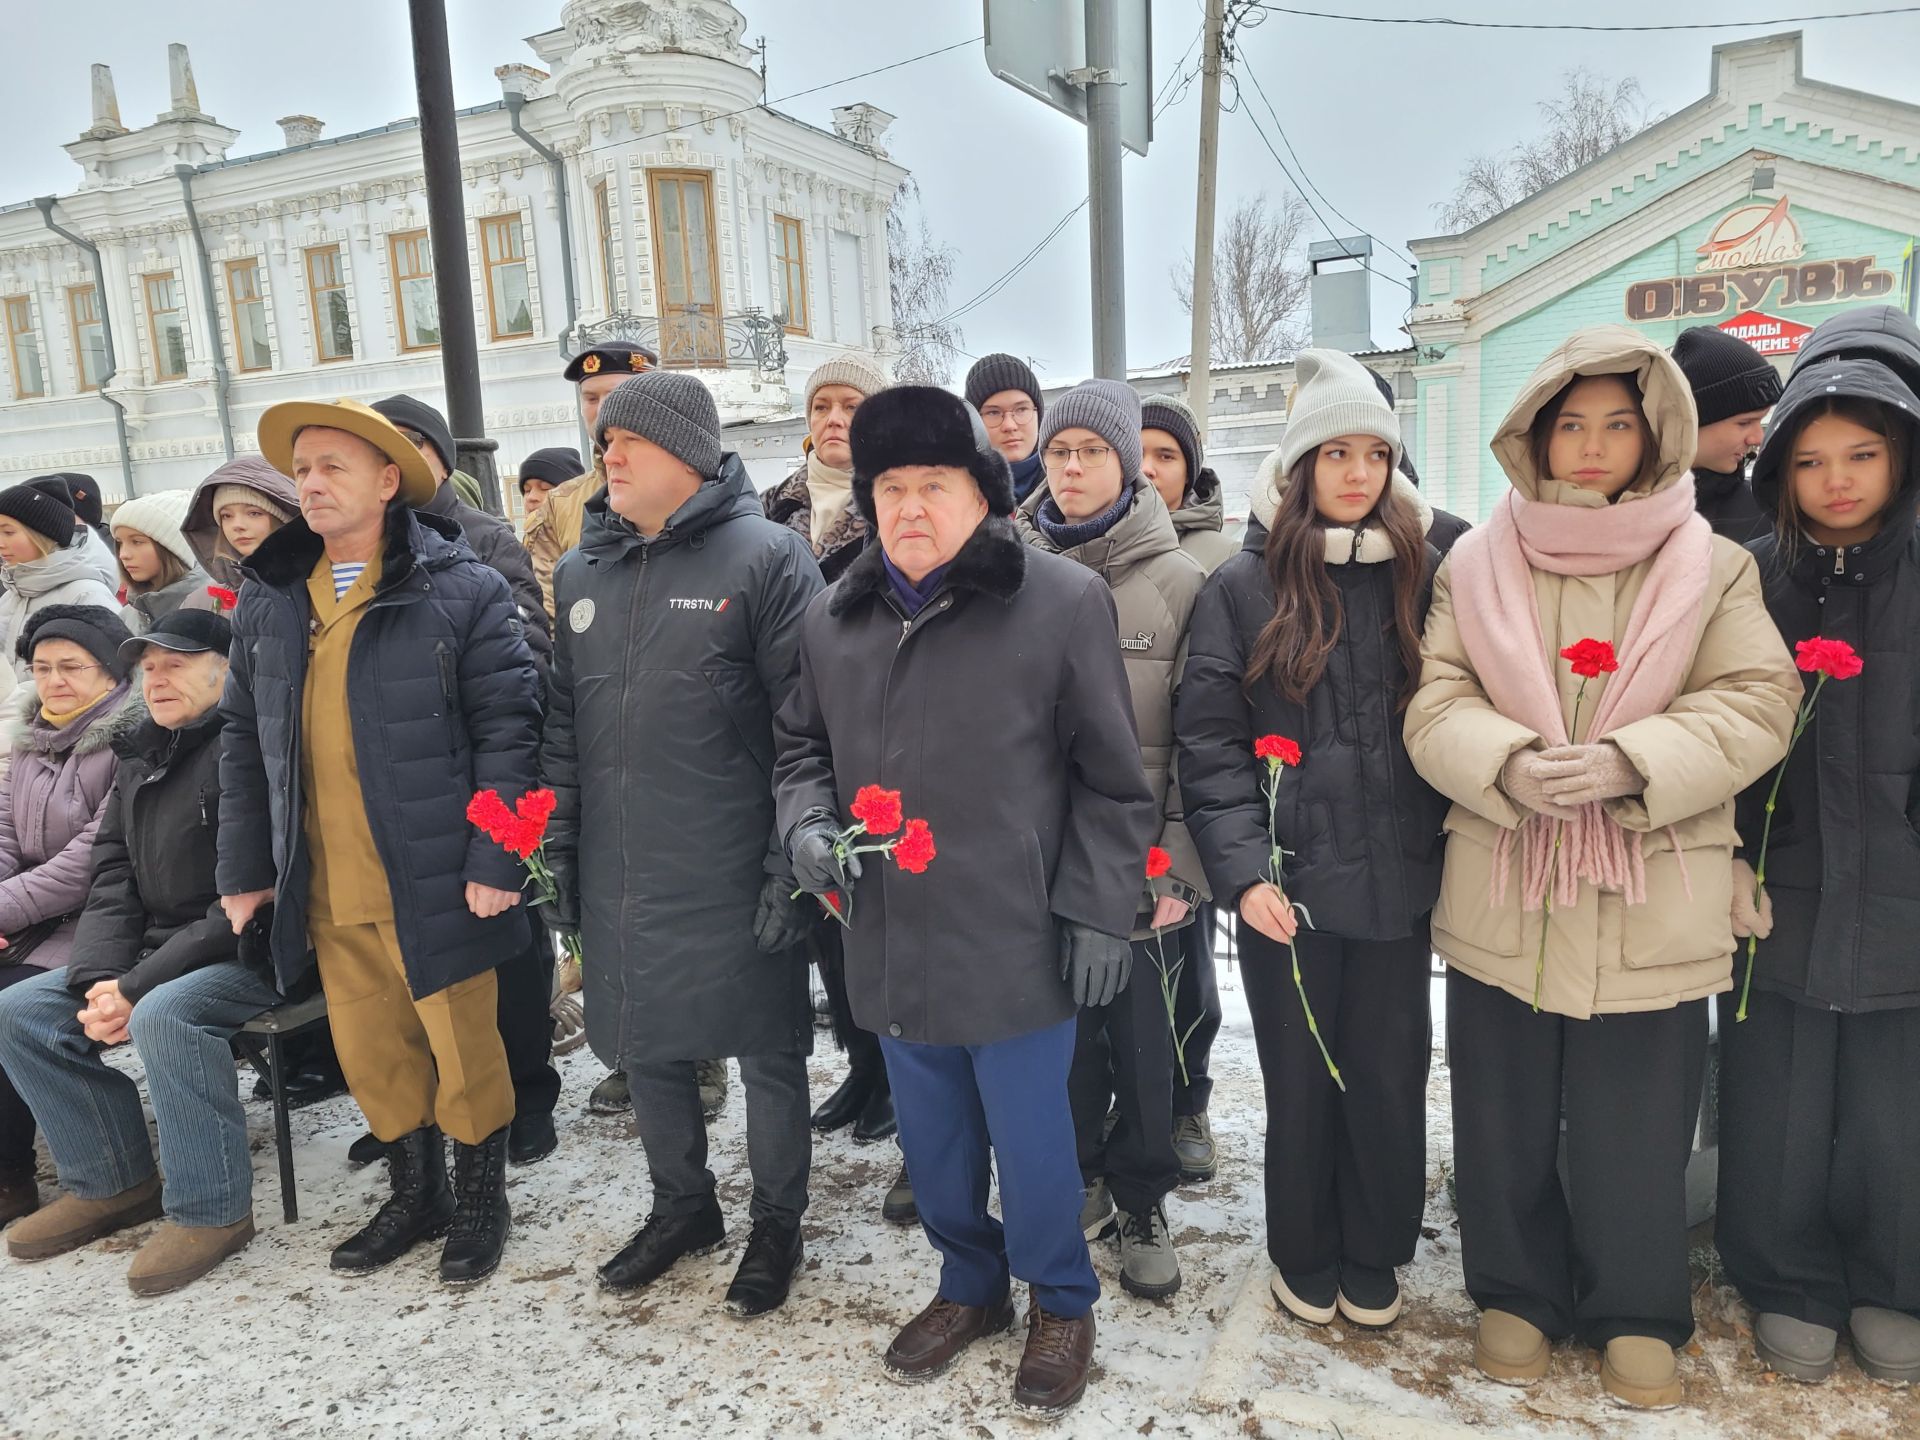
344 576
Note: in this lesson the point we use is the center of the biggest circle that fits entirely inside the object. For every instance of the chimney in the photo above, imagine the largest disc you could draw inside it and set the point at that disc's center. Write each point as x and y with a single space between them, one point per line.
1342 301
300 129
183 99
106 107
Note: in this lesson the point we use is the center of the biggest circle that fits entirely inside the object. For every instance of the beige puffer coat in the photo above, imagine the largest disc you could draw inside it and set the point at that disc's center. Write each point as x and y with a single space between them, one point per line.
1727 727
1154 583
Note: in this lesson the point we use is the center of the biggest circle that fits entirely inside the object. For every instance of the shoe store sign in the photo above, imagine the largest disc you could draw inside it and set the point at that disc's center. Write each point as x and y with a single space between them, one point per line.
1755 258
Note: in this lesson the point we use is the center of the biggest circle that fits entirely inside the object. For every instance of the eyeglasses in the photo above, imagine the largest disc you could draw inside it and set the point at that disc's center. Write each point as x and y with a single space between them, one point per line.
1056 456
993 414
68 671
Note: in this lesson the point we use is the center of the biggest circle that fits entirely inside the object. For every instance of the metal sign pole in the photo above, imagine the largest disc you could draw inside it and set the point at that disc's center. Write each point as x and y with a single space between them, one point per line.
1107 221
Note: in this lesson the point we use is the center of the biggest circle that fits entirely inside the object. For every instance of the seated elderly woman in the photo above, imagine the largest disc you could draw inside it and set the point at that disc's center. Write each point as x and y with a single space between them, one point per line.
58 736
155 961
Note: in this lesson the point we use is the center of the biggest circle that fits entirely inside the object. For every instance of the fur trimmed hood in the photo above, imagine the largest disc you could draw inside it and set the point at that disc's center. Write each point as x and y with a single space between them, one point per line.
992 562
22 729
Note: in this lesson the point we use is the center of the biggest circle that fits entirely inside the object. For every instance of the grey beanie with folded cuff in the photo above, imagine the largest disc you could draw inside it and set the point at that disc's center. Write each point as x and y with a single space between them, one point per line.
1110 409
674 411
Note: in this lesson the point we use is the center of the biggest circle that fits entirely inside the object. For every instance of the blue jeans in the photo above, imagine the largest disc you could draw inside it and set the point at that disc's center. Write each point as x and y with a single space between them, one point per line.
956 1101
90 1112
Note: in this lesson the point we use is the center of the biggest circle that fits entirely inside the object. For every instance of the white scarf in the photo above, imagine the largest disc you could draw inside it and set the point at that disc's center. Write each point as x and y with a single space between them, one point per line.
829 491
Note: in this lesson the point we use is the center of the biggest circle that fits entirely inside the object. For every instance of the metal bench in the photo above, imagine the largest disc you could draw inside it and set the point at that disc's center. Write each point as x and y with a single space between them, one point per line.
259 1040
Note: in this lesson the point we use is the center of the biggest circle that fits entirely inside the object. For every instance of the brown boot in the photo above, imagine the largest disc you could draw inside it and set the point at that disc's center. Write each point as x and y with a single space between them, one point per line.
1640 1371
934 1338
1053 1370
178 1255
70 1222
18 1196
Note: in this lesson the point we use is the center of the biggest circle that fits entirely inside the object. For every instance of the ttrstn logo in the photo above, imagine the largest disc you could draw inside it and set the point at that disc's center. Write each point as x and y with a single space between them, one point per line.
678 602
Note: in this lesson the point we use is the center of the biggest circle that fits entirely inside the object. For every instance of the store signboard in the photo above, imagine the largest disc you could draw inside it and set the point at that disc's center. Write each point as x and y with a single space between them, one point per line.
1768 334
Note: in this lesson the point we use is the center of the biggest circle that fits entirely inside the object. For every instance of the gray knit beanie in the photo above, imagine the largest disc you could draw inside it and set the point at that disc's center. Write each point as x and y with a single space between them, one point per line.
1334 396
1170 413
858 371
674 411
993 373
1110 409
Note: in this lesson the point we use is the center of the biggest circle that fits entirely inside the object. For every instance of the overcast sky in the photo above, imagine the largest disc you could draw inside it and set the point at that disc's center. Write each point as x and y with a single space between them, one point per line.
1381 116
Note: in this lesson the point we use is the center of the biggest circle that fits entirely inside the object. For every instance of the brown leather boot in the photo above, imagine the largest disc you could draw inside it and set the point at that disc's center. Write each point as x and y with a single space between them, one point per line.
1053 1371
70 1222
935 1338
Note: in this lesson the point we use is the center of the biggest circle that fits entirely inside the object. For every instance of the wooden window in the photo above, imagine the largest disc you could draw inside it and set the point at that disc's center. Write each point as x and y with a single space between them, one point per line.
249 309
327 294
23 346
418 306
603 222
686 267
790 272
503 255
89 337
166 327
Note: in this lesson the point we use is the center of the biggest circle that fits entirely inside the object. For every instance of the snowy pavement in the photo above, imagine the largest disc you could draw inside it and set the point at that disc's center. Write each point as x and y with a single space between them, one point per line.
274 1343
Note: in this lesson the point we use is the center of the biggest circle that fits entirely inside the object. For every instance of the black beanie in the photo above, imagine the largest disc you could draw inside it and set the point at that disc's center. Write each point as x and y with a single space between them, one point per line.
425 421
1729 377
924 425
556 465
84 490
993 373
44 505
94 628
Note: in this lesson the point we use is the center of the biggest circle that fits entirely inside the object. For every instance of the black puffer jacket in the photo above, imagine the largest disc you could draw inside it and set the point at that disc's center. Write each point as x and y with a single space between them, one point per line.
1726 503
493 540
444 702
674 654
154 911
1843 859
1364 829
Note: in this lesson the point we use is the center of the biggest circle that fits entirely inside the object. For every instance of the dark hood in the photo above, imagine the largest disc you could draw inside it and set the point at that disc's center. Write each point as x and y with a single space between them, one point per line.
1203 508
202 531
1874 332
728 496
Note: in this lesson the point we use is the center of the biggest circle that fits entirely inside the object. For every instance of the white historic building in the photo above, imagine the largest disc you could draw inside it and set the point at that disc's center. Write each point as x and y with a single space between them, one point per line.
742 244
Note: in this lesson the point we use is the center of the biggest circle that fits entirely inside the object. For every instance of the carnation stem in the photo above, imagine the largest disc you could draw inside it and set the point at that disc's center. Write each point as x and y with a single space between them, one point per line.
1800 723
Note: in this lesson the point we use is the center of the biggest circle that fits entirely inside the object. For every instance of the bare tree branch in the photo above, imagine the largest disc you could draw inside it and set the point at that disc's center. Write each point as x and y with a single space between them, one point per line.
1590 116
1260 282
919 275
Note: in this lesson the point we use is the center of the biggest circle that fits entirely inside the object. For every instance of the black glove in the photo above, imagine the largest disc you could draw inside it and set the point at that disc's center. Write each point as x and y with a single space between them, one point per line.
780 921
816 869
1095 965
562 914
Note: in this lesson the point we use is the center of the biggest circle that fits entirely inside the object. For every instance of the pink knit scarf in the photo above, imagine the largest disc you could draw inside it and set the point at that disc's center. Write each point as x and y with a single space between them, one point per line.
1493 603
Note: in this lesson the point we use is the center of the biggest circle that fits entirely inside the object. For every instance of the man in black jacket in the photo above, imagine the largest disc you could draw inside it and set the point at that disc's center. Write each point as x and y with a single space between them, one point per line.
982 680
679 620
380 679
525 982
154 961
1734 387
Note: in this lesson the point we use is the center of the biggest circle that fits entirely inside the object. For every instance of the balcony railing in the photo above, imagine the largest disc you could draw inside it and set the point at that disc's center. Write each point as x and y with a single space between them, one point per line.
692 338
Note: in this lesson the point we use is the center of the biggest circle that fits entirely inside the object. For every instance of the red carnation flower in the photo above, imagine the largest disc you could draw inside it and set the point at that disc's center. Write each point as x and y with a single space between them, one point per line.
877 809
1835 659
223 598
832 901
490 813
536 807
1591 658
1159 862
1277 749
914 851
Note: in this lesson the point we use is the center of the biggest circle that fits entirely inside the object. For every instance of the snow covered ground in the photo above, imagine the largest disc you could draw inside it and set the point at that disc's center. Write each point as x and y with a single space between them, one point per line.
274 1343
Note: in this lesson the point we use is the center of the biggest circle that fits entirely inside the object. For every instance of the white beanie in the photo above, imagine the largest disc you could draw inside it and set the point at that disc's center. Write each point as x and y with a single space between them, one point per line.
856 371
1334 395
158 516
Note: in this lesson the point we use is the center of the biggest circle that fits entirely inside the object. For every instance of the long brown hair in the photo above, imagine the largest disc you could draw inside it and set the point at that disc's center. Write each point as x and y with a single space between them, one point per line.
1789 524
1292 648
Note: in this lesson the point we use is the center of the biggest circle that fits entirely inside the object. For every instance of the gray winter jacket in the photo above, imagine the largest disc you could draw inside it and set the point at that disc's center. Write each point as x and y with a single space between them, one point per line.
149 608
66 577
1200 523
51 797
673 654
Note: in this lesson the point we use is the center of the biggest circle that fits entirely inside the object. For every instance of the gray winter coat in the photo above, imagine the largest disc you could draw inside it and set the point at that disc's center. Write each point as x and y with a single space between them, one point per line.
1200 523
673 655
1002 715
149 608
66 577
51 798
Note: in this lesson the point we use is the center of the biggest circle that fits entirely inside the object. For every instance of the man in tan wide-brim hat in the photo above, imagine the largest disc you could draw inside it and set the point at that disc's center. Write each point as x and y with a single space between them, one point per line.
380 680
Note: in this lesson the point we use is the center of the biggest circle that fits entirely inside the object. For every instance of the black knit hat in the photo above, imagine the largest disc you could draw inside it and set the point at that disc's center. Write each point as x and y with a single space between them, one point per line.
993 373
85 491
1728 376
425 421
44 505
924 425
94 628
189 632
556 465
1170 413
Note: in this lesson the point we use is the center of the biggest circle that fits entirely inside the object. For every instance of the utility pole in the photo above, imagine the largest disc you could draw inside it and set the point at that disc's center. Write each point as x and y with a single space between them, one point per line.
447 234
1199 377
1103 176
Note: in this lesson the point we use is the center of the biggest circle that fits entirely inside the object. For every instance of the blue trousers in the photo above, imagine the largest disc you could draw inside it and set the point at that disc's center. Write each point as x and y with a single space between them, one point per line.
90 1112
954 1102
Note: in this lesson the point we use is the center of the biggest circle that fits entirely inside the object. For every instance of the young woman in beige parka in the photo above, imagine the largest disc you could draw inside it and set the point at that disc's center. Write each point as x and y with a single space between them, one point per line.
1617 846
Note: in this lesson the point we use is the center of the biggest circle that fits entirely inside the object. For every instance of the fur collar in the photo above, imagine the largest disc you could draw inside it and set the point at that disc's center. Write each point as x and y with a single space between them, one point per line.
992 562
21 730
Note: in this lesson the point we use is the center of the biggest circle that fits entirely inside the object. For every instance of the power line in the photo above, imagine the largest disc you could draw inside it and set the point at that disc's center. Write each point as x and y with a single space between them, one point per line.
995 287
1601 29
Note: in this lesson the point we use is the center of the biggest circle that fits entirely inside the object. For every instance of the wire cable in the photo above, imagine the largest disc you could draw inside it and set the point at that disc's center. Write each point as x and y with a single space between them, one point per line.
1590 29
